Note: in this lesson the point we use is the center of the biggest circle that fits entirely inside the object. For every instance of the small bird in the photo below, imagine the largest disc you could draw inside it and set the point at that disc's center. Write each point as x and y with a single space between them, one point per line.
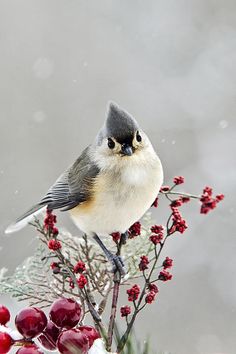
110 186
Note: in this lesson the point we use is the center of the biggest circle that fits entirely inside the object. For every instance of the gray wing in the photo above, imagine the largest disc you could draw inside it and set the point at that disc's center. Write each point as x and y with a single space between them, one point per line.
74 186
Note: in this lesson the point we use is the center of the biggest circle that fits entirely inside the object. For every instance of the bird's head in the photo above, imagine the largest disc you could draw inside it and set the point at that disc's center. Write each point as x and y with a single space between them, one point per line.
121 138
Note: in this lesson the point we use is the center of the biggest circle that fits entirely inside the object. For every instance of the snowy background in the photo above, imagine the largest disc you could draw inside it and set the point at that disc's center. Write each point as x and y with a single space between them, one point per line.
172 65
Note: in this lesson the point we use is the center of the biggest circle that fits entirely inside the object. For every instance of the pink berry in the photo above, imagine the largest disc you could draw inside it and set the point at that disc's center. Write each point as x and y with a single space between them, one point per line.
29 349
5 343
49 336
90 332
30 322
65 313
73 341
4 315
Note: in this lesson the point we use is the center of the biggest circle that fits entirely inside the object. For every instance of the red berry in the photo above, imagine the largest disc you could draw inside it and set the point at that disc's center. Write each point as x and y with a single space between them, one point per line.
82 281
4 315
155 239
164 189
133 293
208 190
185 199
125 311
168 263
178 180
65 313
176 203
79 267
153 288
157 229
30 322
55 231
144 261
5 343
49 336
219 197
73 341
150 297
115 236
135 230
29 349
91 333
164 275
54 245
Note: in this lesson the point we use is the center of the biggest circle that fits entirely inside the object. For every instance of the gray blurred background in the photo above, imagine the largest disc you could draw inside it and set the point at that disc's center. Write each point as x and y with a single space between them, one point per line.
172 65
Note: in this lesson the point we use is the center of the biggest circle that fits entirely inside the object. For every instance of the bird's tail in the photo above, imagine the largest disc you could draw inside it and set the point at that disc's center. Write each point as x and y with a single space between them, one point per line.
23 220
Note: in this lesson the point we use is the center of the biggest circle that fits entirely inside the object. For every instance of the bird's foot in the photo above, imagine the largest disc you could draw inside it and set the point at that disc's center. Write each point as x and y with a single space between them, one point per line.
116 260
117 264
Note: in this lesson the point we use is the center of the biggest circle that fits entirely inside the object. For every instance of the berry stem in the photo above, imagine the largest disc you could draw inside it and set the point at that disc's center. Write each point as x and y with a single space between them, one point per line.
181 194
115 296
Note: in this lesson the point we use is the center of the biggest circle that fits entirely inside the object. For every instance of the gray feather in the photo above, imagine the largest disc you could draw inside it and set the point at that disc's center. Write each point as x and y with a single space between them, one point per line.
29 212
71 188
74 186
120 124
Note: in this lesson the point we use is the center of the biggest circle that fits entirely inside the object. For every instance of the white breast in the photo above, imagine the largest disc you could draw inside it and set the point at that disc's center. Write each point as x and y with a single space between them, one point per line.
135 175
122 197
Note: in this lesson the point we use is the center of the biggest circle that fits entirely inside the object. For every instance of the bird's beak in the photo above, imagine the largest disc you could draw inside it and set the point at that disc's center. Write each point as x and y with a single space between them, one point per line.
127 150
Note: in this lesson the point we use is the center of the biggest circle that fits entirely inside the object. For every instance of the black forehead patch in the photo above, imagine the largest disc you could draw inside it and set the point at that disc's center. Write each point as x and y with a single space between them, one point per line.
126 140
120 124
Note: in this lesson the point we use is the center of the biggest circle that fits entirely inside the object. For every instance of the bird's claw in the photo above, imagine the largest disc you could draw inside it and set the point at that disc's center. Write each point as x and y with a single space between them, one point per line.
117 264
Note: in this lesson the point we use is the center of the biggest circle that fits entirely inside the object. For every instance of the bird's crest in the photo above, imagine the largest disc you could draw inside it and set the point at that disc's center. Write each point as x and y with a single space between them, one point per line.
119 123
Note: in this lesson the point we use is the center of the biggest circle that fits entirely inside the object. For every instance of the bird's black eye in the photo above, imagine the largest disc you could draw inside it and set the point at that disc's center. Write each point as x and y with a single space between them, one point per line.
111 143
138 137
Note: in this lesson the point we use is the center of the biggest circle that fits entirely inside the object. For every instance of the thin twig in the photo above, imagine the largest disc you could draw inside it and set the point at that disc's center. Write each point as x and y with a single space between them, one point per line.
115 295
181 194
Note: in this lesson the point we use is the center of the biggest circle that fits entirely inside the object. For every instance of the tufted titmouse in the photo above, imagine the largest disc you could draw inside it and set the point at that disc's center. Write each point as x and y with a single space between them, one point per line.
111 185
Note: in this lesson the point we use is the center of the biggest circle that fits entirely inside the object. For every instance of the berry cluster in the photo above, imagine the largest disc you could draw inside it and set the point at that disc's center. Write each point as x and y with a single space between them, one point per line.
178 180
168 262
61 331
143 264
82 281
157 235
116 237
52 231
207 200
79 267
179 224
150 297
50 221
153 287
133 293
135 230
164 275
125 311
